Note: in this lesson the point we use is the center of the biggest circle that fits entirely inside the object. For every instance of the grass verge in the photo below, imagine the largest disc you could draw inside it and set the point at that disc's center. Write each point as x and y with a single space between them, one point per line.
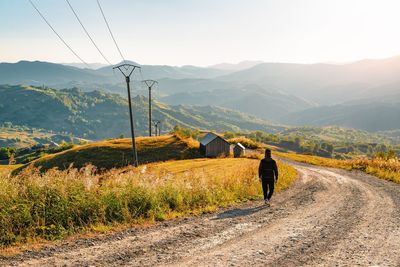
55 204
384 169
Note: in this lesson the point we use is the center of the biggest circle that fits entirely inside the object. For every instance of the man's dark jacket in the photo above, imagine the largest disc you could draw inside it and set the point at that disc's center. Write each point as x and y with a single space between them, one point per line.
268 169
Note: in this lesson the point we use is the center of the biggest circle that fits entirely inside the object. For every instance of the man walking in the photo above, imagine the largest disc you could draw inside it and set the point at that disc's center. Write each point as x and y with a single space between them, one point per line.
268 174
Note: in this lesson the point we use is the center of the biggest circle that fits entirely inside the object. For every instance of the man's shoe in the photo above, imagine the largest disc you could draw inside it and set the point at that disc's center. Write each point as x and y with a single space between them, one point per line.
267 203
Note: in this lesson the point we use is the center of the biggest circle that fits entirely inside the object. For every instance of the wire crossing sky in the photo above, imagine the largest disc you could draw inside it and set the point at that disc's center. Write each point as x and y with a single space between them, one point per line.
87 33
56 33
109 30
203 32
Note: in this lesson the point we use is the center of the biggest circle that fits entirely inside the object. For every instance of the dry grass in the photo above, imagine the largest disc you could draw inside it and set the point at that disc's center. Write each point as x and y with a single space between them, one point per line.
56 204
5 170
315 160
384 169
9 167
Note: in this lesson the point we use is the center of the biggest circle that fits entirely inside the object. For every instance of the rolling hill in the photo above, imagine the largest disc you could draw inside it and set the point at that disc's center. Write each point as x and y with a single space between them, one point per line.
117 153
22 137
99 115
266 104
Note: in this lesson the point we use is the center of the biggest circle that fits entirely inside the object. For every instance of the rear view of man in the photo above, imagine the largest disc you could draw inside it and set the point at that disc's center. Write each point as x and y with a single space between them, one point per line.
268 174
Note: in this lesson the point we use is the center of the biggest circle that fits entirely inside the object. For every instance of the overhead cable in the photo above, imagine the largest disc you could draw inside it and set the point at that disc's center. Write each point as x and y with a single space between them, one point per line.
58 35
87 33
109 29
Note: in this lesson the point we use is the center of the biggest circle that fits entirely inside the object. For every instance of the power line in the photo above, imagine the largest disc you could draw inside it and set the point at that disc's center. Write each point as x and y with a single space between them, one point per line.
109 29
59 36
87 33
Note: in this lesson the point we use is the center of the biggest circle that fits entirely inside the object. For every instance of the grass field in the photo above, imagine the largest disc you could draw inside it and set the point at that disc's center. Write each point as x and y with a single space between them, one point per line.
56 203
384 169
117 153
7 169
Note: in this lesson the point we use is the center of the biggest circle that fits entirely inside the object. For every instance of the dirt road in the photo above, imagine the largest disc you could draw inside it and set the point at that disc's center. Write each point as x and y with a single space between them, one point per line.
328 218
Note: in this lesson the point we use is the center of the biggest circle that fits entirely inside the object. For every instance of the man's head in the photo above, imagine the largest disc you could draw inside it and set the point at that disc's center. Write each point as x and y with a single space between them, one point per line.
267 153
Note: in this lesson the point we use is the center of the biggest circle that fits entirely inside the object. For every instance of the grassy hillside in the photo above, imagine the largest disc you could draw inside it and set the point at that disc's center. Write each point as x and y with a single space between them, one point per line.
22 137
60 203
117 153
98 115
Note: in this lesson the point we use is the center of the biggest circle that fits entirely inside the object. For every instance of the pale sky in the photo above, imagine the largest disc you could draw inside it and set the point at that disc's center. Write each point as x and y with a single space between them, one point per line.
203 32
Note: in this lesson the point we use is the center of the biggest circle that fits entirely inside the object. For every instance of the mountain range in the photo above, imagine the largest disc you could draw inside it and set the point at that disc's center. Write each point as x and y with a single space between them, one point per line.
363 94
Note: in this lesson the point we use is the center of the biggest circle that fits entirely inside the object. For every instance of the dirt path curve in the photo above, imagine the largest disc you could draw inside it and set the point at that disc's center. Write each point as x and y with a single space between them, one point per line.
328 218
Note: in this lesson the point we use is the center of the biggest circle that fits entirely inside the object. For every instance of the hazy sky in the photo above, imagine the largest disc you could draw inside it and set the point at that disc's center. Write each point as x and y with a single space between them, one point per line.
204 32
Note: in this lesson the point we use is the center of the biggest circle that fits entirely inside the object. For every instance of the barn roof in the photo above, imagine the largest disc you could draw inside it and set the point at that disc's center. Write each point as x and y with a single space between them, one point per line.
240 145
209 138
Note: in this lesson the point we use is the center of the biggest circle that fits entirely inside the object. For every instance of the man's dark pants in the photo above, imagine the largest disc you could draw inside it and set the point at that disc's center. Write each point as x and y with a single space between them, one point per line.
268 187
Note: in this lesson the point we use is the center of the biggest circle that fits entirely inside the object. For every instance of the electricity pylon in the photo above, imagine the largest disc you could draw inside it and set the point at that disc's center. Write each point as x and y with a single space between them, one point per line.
150 84
129 68
157 126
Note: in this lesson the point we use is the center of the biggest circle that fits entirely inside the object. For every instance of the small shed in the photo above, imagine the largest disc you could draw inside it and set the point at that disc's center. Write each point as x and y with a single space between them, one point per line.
239 150
213 145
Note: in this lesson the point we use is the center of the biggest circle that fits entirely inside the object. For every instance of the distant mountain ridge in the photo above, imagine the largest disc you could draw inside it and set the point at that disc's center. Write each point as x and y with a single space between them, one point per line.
266 104
237 67
279 92
326 83
39 72
372 117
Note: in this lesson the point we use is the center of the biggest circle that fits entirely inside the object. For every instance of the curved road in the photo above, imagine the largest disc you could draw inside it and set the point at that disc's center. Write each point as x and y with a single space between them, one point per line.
328 218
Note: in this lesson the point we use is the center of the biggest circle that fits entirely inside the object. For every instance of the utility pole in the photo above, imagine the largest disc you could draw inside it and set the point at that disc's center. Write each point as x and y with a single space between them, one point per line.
150 84
127 70
157 126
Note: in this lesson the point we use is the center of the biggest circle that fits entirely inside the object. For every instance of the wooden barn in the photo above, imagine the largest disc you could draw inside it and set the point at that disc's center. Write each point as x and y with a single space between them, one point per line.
239 150
212 145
